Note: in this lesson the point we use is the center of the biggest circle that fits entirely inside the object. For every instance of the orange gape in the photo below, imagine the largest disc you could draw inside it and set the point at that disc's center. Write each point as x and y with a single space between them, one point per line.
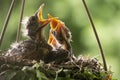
61 35
52 41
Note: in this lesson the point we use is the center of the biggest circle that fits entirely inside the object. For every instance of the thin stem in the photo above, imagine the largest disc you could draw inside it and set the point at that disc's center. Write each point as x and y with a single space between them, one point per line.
6 22
96 35
21 17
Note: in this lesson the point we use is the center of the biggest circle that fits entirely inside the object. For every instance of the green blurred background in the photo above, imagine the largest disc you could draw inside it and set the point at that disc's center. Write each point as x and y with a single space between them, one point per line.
106 16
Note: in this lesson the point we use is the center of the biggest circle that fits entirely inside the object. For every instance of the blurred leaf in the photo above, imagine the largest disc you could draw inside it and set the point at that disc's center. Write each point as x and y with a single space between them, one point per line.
40 75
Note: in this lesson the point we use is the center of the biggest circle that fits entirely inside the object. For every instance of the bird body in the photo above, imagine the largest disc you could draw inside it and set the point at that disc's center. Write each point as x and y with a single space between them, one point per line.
36 47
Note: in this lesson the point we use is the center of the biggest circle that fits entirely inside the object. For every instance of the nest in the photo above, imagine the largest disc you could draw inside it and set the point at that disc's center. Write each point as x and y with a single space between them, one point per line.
82 68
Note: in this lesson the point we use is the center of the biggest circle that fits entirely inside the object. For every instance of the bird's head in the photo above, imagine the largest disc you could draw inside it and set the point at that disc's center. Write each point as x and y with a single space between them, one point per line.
36 23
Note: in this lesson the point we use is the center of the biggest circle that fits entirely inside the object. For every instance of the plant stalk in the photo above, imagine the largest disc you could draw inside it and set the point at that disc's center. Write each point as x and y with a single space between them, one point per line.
21 17
6 22
96 35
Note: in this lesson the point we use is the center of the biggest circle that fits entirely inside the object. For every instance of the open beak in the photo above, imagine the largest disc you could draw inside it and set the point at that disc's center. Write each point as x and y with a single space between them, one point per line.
39 14
41 20
50 38
53 22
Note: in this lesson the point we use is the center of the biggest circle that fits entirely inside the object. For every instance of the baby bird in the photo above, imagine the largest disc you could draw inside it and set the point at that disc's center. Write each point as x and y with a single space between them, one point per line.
36 24
36 47
60 35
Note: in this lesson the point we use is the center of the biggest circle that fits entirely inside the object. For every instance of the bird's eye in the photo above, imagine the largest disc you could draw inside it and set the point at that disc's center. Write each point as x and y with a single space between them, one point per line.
32 18
53 32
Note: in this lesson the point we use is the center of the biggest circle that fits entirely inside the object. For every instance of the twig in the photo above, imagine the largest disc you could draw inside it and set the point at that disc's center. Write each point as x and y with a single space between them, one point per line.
6 22
21 16
14 61
96 35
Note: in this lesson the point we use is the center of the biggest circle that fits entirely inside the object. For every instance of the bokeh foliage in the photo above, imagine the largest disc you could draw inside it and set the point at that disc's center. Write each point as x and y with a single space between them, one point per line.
106 16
